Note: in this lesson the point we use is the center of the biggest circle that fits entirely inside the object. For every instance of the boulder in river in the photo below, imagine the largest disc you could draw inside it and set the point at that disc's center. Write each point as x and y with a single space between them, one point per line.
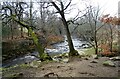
85 45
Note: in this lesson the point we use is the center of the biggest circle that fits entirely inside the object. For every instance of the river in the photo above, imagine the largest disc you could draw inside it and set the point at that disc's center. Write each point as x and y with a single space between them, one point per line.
57 49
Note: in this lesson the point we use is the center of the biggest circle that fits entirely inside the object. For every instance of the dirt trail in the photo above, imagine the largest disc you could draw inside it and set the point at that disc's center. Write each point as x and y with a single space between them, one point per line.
77 68
80 68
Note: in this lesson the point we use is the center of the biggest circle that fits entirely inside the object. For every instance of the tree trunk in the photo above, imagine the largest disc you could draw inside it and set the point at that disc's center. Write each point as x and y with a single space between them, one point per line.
43 56
40 48
31 22
21 28
96 48
21 18
96 43
111 38
72 51
11 31
21 31
35 39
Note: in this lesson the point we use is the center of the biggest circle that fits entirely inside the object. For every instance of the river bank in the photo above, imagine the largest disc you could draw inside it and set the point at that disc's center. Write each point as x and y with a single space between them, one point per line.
23 51
79 67
84 65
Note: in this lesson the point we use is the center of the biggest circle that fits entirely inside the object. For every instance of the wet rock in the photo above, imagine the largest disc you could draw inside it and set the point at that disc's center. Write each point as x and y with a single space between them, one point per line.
59 56
109 63
95 56
57 59
115 58
94 61
65 60
85 45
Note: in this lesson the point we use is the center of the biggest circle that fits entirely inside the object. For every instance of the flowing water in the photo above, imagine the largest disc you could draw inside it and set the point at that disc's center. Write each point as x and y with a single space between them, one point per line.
58 48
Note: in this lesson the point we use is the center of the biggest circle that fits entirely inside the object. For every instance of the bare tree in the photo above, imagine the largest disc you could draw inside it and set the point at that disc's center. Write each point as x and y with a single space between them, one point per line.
61 11
95 25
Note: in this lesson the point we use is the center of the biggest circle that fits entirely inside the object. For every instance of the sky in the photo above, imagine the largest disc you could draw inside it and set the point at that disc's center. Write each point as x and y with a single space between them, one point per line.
107 6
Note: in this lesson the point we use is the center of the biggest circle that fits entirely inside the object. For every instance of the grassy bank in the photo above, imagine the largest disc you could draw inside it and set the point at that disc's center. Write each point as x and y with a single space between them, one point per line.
86 52
89 51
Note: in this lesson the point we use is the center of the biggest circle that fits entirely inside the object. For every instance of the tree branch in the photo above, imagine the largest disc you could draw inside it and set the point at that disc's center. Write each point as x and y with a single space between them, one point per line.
100 27
56 6
19 22
77 26
67 5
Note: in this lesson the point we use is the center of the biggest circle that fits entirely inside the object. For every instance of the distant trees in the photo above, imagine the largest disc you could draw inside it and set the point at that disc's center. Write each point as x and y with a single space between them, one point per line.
19 11
13 16
93 26
17 8
48 22
111 22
